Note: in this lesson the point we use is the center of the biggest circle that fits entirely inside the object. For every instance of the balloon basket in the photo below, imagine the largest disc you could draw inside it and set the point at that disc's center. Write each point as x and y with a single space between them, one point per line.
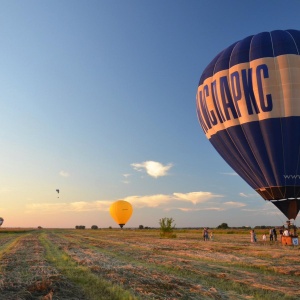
290 241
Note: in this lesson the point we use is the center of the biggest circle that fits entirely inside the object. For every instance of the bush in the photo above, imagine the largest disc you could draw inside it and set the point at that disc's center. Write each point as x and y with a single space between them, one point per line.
141 227
80 227
167 228
94 227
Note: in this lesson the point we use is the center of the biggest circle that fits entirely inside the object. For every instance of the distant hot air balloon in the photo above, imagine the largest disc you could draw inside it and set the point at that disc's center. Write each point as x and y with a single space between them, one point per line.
1 221
57 192
248 105
121 212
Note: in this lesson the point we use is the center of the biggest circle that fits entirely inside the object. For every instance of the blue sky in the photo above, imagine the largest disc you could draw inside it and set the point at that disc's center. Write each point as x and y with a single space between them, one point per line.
98 100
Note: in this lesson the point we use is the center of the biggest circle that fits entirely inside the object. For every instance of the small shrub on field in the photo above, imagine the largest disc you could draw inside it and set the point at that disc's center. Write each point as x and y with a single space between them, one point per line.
94 227
141 227
167 228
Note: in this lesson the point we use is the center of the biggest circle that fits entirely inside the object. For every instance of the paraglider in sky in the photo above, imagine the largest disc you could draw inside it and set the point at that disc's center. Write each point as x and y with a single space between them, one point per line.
1 221
121 212
57 192
248 105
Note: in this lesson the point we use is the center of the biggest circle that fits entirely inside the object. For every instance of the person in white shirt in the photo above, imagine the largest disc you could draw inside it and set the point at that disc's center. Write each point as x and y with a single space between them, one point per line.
286 233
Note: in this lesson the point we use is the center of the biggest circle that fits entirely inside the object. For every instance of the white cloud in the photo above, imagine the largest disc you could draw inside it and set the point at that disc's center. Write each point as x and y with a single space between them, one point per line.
64 173
234 204
149 201
188 209
79 206
185 209
196 197
126 175
195 201
153 168
160 199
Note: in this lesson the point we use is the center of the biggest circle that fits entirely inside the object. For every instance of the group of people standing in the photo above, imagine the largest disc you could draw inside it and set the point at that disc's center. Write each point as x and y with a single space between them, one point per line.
273 234
206 235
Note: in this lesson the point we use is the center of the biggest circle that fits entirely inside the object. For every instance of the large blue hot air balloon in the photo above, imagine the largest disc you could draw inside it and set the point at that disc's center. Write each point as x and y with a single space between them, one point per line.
248 105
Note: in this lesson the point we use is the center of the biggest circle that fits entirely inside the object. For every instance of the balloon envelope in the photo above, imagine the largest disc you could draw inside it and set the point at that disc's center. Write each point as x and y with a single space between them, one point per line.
248 105
1 221
121 212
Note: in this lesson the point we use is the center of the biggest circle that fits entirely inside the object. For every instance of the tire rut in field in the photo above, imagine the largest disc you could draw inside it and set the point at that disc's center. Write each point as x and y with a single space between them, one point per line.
25 274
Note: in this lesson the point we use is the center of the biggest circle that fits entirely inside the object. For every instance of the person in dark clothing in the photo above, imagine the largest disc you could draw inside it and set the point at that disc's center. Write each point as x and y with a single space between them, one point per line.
271 234
274 234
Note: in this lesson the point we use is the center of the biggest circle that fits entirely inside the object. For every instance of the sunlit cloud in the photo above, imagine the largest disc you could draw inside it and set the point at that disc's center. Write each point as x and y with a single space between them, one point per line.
190 209
153 168
184 209
80 206
149 201
214 208
64 173
196 197
160 199
192 201
234 204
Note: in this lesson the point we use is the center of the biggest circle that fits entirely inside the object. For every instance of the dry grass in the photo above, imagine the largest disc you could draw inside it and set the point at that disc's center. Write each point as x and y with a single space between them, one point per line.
229 267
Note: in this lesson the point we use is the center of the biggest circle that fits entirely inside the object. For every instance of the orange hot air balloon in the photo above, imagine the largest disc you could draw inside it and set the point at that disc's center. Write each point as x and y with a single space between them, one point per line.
121 212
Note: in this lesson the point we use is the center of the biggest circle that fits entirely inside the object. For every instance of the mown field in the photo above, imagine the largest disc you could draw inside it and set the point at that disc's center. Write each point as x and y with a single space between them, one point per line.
138 264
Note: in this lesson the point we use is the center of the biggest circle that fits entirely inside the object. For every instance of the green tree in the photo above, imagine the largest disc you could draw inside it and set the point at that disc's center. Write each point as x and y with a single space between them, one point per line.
223 226
167 227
